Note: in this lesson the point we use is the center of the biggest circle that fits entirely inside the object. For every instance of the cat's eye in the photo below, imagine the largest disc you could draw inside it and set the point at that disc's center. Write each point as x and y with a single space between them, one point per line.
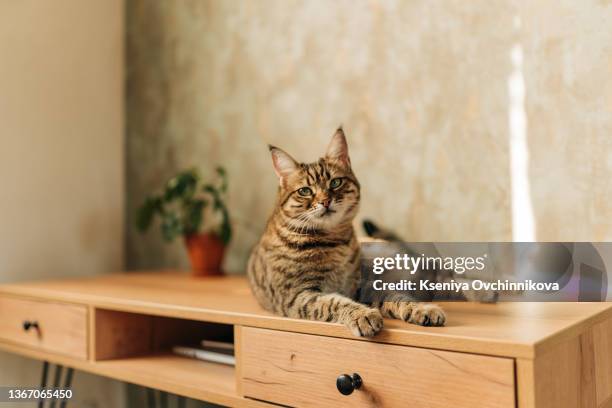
335 183
305 191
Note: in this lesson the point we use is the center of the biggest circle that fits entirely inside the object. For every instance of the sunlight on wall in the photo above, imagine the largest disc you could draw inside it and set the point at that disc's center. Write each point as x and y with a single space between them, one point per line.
523 226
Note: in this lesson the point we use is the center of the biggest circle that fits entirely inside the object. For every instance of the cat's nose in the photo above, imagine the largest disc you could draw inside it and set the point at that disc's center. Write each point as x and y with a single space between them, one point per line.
325 203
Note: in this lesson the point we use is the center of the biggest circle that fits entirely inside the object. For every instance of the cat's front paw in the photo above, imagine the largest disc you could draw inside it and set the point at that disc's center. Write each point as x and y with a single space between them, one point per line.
425 314
365 322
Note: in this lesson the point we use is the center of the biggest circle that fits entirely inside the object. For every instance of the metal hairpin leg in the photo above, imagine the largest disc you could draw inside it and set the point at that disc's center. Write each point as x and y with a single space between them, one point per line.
67 384
43 381
57 378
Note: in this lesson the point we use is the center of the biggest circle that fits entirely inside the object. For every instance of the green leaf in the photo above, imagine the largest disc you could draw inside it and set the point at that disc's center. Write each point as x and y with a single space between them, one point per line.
225 230
216 196
183 185
223 175
170 226
193 216
145 213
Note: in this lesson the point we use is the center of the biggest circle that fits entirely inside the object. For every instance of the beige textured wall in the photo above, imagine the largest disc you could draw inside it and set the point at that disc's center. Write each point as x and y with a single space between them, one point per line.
61 155
568 59
420 86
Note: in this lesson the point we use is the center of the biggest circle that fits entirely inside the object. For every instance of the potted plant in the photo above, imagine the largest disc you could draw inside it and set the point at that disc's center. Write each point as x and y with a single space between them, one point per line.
181 208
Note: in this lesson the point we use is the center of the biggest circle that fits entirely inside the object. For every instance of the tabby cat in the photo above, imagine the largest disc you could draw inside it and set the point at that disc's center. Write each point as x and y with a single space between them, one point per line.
306 265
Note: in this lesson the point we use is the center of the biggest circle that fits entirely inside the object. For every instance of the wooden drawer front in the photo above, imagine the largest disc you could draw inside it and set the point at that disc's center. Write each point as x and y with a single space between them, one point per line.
301 370
62 327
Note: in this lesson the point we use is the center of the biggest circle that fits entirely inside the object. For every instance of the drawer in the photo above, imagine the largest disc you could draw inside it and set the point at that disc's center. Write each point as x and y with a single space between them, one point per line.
62 328
301 370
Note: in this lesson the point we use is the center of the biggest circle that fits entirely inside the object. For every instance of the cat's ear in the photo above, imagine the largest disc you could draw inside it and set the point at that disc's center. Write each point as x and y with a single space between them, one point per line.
337 150
284 165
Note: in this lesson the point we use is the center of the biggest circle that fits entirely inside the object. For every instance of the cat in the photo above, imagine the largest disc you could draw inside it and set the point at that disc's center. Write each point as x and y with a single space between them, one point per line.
393 244
307 263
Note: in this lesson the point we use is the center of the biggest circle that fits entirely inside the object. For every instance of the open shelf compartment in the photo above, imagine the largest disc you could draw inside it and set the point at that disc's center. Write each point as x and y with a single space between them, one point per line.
138 348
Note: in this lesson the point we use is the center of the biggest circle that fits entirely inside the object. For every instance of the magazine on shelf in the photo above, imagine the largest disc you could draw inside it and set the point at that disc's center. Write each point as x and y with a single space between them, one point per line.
213 351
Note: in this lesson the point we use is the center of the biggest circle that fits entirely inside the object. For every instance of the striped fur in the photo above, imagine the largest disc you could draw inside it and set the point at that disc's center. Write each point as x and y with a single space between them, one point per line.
306 264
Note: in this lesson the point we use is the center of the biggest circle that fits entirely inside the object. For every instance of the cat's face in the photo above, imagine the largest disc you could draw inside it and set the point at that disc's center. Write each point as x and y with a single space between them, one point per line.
319 195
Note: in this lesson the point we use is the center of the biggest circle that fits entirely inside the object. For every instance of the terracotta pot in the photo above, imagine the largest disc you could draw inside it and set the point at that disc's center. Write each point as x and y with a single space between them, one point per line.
206 254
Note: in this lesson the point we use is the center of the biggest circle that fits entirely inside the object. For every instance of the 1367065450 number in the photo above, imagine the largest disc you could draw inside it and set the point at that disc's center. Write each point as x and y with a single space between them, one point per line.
15 394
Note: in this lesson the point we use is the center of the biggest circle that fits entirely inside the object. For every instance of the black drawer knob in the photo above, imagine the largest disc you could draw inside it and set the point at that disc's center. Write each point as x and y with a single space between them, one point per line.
346 384
27 325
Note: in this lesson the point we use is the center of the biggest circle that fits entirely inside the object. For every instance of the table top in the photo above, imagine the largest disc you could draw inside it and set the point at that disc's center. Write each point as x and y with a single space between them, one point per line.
503 329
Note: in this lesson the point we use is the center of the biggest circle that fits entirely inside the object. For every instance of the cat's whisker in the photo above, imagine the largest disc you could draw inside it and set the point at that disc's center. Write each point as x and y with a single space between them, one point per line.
300 226
303 223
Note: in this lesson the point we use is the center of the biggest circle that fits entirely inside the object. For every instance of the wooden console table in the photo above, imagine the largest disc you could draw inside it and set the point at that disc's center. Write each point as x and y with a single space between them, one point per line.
121 326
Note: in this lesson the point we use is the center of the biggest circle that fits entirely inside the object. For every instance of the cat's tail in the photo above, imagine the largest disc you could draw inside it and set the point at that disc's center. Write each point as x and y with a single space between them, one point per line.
375 231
